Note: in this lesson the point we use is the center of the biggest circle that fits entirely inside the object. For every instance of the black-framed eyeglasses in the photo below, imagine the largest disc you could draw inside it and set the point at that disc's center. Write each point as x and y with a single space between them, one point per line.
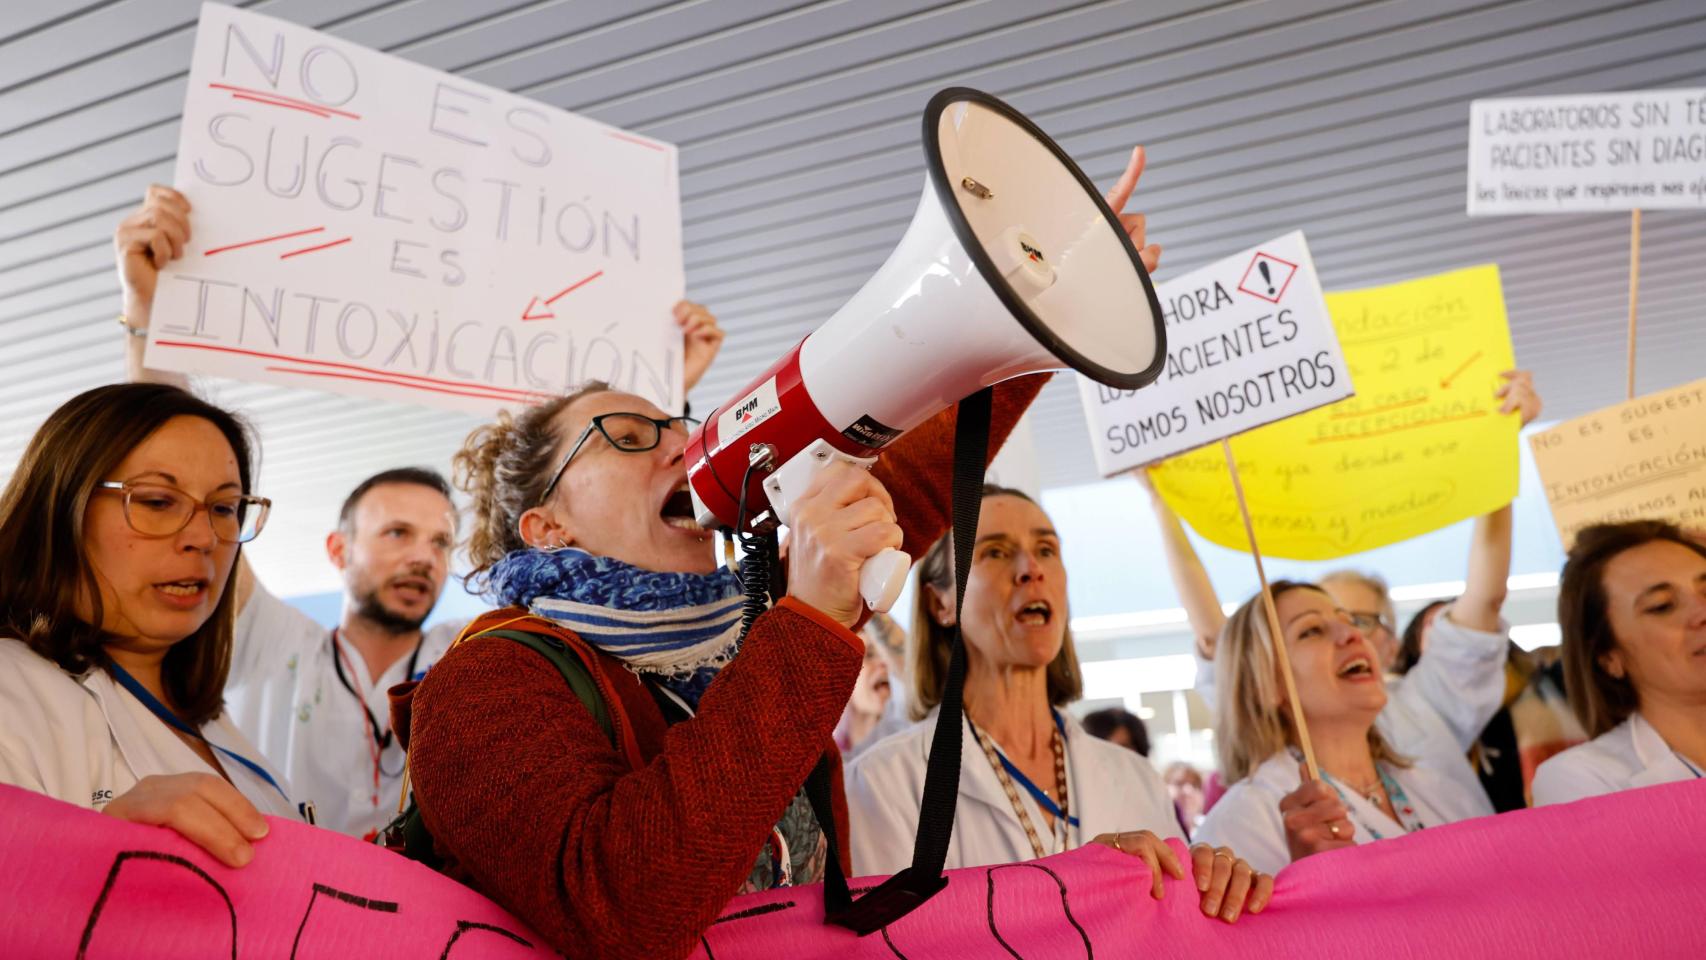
1367 622
156 509
627 432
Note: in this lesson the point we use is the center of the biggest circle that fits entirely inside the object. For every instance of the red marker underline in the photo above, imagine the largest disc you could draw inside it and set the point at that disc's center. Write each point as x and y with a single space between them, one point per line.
250 243
279 99
389 381
275 103
287 256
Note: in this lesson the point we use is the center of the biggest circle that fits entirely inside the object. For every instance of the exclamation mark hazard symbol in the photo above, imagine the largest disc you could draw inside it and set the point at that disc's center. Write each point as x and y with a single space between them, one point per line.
1267 275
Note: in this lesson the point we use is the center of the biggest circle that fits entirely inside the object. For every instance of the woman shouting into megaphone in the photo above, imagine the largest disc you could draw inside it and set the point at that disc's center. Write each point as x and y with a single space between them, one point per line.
615 784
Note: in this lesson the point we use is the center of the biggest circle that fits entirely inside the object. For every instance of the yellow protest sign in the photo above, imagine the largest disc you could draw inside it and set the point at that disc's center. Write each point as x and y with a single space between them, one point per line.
1421 445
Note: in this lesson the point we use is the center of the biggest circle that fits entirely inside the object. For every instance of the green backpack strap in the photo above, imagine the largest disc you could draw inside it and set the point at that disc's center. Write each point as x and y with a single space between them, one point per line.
570 667
407 834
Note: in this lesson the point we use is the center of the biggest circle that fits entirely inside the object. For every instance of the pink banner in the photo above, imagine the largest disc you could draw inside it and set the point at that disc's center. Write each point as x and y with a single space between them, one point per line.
77 884
1614 876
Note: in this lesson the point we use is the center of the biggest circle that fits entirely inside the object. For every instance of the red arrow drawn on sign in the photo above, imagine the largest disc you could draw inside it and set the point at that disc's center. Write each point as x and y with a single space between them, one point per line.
1446 383
528 314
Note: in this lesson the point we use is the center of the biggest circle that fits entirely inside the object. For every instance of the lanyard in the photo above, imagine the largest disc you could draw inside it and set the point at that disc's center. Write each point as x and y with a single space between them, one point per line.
1689 764
1037 793
381 739
172 720
1005 772
1407 816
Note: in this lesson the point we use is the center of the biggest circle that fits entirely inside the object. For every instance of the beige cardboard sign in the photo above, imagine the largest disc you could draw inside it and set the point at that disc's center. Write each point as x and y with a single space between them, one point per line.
1642 459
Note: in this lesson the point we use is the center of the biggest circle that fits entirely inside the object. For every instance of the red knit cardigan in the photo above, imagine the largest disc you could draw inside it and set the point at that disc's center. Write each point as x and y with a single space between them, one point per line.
633 850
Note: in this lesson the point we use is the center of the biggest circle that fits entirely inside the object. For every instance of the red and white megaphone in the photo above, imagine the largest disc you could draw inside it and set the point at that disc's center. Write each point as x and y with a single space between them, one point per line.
1012 265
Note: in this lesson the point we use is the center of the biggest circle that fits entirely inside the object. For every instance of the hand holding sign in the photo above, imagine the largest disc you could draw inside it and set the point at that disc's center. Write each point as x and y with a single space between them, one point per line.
148 239
1316 819
1519 396
703 339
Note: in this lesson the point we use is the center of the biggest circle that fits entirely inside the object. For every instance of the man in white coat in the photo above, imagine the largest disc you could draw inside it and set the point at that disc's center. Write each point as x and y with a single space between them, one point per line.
314 700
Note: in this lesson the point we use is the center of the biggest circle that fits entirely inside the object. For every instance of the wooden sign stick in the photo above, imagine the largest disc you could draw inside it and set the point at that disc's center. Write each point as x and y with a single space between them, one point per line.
1634 288
1280 654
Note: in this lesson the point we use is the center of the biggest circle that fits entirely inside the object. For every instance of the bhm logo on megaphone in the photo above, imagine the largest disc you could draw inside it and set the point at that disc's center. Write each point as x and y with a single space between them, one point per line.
969 298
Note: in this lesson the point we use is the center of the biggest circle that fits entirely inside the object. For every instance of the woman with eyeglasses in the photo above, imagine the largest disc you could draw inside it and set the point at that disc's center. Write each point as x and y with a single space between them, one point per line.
628 840
1392 761
1363 596
119 533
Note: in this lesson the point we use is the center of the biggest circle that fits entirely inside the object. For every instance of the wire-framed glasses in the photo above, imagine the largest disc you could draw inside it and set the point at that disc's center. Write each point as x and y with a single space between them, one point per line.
627 432
156 509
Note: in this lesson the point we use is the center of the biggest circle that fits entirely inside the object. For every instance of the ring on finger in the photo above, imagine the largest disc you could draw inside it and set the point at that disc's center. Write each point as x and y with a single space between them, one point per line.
1117 846
1333 829
1223 853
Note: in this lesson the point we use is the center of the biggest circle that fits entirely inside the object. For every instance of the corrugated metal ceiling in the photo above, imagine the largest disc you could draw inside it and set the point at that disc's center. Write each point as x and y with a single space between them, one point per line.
800 167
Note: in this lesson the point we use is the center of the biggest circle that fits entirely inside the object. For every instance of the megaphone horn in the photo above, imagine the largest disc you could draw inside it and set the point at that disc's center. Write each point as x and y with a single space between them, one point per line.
1012 264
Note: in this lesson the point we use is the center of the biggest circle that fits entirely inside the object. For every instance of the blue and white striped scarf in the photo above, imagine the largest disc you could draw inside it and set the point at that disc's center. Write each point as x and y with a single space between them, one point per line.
676 628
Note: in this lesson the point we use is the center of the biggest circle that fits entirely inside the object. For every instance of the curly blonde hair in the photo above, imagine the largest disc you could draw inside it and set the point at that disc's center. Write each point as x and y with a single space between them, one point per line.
504 467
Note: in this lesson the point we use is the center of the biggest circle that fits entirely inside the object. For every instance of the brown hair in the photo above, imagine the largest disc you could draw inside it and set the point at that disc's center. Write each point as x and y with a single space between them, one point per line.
1598 699
504 467
44 568
407 476
927 651
1250 723
1410 643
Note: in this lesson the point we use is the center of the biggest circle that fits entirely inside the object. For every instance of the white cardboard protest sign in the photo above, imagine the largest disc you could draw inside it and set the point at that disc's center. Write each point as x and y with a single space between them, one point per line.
1643 459
371 226
1581 154
1249 341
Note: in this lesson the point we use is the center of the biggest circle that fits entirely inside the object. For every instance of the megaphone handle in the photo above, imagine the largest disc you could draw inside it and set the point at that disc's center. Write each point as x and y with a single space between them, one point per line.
882 578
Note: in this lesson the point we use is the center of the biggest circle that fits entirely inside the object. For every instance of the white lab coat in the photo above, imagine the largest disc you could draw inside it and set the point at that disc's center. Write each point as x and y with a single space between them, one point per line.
283 692
86 740
1109 789
1433 717
1631 754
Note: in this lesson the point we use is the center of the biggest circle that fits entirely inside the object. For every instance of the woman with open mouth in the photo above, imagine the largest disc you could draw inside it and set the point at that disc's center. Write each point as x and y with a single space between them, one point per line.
1632 610
1391 763
616 785
118 537
1033 782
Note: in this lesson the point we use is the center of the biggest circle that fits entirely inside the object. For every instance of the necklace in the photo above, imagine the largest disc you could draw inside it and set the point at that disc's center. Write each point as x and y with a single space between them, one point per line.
1061 811
1373 793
